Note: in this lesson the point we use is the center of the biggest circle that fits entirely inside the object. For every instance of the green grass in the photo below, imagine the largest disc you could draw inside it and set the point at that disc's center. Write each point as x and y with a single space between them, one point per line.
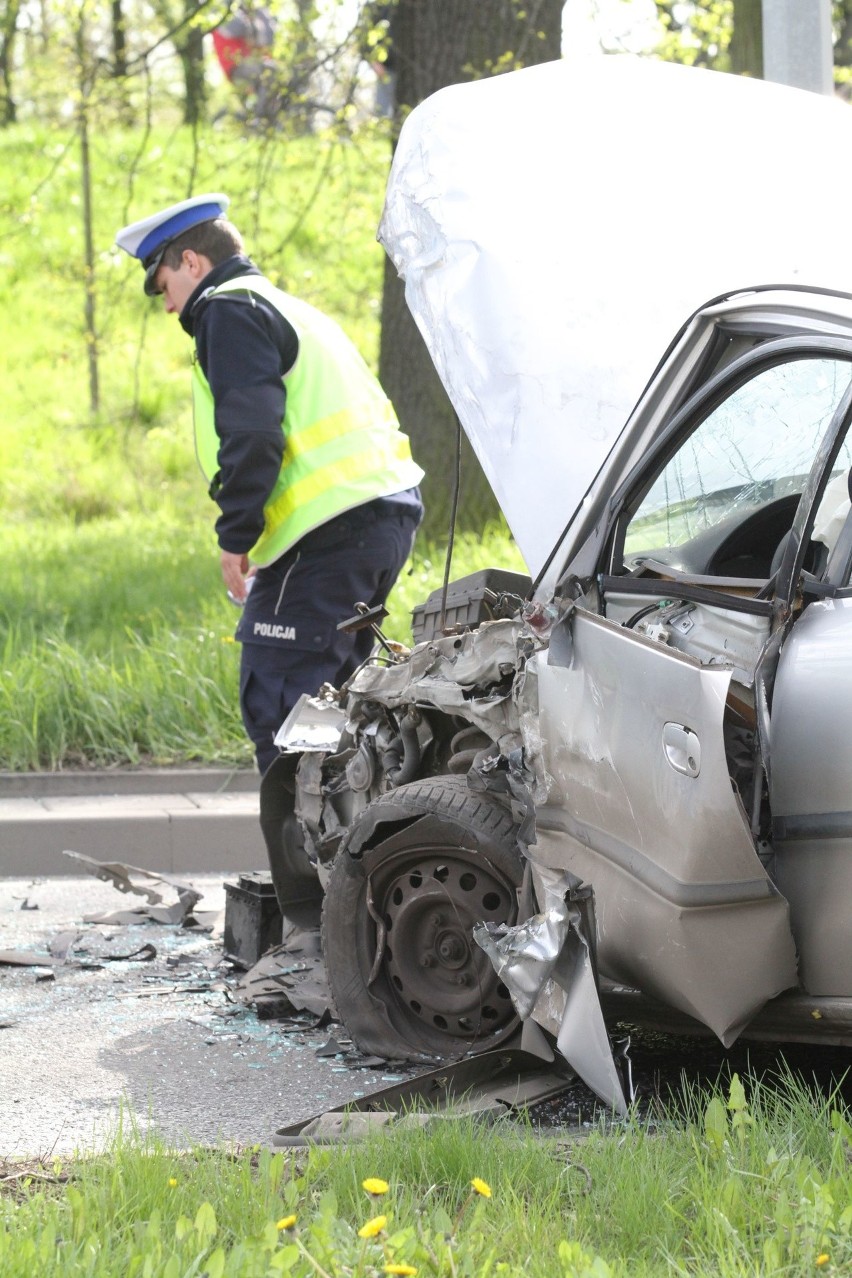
724 1185
117 639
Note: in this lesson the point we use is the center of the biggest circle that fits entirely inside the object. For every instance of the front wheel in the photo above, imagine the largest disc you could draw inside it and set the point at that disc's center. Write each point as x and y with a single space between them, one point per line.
416 871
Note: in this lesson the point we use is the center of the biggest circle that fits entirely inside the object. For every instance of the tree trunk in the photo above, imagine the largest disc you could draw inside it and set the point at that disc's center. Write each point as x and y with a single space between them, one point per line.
190 49
436 43
85 72
746 47
119 40
8 28
843 48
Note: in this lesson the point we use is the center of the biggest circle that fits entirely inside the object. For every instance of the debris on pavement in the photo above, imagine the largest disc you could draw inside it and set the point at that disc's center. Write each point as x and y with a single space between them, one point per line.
290 977
181 911
163 1037
494 1085
60 952
24 958
62 944
283 998
143 954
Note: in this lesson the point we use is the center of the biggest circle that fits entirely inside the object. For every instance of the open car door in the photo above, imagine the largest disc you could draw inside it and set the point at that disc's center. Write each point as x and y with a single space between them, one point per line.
653 695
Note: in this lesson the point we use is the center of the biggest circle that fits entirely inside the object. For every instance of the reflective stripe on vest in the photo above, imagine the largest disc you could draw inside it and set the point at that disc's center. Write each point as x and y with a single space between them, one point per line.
343 445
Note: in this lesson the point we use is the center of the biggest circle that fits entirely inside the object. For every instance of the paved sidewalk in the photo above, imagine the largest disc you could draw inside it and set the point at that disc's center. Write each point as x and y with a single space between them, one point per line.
170 820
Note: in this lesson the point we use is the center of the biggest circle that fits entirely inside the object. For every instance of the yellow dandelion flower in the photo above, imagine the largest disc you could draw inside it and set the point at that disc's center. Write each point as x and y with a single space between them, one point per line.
399 1269
373 1227
286 1222
823 1258
374 1185
481 1187
172 1181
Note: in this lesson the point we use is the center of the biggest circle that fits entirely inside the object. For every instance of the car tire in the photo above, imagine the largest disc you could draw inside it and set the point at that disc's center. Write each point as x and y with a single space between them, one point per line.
415 872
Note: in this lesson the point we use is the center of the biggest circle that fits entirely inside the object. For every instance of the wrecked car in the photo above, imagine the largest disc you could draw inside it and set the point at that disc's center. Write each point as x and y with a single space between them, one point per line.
617 790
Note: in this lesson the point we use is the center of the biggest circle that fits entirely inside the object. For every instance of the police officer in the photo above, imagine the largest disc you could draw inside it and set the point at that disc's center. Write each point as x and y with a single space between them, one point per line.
314 480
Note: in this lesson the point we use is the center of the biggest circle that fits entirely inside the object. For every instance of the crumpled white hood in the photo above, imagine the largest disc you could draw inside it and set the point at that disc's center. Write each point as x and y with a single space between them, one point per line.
556 226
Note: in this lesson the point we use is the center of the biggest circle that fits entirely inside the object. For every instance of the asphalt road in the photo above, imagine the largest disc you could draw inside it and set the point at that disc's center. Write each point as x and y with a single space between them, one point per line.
160 1044
157 1043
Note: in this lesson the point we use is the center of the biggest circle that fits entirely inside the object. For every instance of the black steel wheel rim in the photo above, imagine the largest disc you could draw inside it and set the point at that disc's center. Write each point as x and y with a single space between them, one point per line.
424 904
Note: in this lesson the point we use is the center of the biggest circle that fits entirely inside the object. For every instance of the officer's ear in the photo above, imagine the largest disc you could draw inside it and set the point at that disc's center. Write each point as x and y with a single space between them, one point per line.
196 263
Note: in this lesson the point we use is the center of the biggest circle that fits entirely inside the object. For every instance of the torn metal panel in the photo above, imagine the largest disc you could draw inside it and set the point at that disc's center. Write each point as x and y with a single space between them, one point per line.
200 920
60 953
552 953
290 977
792 1017
686 910
24 958
492 1085
120 876
144 954
63 943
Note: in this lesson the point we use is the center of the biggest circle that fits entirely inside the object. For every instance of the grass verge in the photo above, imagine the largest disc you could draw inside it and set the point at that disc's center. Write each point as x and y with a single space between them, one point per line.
724 1185
118 648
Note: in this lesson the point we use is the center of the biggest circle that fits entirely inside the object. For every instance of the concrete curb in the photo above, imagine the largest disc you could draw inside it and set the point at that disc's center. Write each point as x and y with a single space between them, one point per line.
171 821
19 785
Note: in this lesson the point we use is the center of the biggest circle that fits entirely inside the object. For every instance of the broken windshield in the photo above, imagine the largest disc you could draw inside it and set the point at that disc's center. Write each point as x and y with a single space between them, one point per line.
756 447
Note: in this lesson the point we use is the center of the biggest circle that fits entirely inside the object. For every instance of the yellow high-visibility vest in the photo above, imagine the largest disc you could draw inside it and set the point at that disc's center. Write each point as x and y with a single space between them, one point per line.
343 445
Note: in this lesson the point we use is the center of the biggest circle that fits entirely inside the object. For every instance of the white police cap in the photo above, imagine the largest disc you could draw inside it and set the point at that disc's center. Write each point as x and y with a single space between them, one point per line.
148 239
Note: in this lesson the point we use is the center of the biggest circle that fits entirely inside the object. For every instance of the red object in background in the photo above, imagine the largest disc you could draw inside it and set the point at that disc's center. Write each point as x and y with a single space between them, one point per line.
230 50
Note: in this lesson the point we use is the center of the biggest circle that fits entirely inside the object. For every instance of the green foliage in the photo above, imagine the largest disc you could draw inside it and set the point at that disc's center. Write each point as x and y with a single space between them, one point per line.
134 60
702 34
697 35
460 1198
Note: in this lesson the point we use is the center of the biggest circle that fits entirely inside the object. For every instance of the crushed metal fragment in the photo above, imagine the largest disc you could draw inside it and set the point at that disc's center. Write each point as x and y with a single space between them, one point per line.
124 877
288 978
24 958
548 965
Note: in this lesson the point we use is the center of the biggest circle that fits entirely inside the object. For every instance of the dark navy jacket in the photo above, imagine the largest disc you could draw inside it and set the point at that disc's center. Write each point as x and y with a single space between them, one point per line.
245 348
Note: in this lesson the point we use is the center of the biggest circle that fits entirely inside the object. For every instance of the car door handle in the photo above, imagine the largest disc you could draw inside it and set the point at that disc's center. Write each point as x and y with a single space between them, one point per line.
682 748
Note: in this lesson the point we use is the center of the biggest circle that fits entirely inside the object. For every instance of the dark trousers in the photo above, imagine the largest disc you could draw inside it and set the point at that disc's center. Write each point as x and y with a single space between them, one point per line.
288 630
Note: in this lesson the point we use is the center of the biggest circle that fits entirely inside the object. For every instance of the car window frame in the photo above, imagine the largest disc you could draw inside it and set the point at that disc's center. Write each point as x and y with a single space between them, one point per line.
778 591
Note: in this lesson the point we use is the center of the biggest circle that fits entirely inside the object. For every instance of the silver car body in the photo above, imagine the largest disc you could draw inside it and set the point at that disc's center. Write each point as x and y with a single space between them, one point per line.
669 711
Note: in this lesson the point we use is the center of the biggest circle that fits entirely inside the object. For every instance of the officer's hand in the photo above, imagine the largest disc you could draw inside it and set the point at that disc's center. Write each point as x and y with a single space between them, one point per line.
234 570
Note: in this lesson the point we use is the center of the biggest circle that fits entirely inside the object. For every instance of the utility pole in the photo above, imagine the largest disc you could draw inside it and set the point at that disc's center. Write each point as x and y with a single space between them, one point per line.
797 46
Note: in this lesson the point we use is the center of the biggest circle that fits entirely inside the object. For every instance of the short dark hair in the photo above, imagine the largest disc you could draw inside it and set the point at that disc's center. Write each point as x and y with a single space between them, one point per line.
217 241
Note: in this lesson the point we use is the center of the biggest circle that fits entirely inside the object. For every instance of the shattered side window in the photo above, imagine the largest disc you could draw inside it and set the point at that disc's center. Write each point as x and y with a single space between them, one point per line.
753 449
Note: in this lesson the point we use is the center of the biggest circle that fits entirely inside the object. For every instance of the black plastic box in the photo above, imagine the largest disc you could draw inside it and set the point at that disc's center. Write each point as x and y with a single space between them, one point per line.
253 920
470 601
